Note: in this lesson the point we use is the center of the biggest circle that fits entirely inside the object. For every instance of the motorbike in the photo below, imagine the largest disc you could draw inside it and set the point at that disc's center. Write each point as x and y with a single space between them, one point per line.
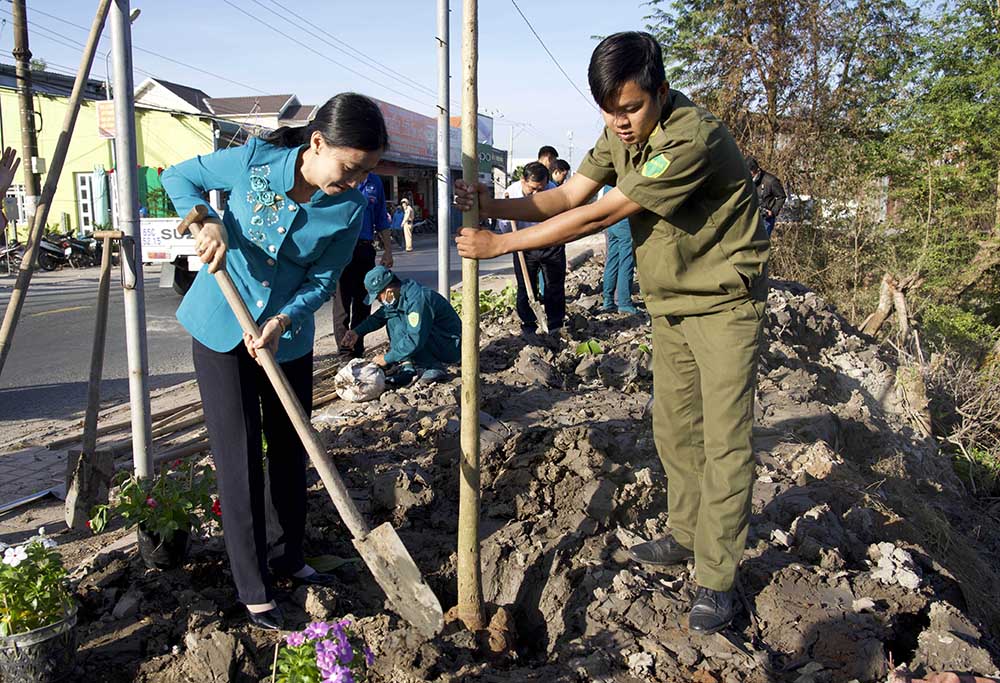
11 255
86 251
53 252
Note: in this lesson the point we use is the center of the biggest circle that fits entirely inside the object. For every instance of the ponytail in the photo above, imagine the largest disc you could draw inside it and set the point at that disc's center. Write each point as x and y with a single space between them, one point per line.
289 136
345 120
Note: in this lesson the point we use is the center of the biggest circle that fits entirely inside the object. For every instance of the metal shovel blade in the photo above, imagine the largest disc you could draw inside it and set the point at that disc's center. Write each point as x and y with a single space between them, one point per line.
397 574
539 310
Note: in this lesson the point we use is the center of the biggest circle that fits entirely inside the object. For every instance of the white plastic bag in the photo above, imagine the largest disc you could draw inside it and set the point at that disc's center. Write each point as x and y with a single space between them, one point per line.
359 381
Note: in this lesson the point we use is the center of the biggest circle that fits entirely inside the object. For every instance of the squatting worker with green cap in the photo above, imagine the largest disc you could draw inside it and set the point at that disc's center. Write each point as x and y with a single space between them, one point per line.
425 333
701 253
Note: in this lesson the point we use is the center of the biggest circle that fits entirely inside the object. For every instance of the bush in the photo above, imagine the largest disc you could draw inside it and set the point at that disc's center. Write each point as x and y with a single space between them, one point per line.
946 325
491 302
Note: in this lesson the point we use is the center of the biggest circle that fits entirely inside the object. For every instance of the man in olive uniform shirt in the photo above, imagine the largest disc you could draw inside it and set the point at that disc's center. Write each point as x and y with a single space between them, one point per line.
701 253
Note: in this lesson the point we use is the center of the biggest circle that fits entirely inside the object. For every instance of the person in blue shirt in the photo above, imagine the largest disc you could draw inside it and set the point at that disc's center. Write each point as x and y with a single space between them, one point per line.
349 307
619 266
294 216
396 226
425 332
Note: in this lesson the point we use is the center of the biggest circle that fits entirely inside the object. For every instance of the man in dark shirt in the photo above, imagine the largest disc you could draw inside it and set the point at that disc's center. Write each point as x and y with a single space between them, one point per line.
769 191
349 305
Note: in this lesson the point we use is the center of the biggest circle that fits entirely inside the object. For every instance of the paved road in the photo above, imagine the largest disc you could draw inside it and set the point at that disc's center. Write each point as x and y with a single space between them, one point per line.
46 373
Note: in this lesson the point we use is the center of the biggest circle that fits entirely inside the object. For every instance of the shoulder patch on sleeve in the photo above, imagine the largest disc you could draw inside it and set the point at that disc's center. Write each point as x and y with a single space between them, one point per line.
656 166
413 318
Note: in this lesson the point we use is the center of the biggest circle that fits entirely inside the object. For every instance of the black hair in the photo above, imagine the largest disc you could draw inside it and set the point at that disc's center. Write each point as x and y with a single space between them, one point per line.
623 57
536 172
562 165
345 120
547 151
752 165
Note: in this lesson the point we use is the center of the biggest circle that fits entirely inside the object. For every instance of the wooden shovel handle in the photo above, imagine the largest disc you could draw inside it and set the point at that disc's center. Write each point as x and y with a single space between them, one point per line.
300 420
524 269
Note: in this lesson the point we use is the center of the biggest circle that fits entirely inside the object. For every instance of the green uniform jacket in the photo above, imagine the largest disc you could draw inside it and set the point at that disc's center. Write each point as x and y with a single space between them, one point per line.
700 244
422 326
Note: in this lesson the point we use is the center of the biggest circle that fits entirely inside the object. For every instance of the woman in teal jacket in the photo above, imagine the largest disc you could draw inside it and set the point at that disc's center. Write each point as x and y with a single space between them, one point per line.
289 230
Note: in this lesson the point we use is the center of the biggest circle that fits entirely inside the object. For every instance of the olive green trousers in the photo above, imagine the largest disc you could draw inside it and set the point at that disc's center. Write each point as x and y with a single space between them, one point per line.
704 377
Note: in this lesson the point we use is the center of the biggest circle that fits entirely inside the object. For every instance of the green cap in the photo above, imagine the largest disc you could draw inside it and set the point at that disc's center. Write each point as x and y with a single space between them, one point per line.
377 279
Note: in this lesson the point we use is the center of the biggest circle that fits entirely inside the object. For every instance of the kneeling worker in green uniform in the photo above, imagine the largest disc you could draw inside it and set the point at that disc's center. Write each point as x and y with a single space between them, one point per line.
701 253
425 333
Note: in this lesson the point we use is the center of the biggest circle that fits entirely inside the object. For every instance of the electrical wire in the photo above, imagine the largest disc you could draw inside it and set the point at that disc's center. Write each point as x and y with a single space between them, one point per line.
552 56
298 42
341 45
144 51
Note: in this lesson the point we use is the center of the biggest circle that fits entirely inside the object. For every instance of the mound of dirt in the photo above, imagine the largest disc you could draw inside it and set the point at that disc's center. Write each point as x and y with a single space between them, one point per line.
863 549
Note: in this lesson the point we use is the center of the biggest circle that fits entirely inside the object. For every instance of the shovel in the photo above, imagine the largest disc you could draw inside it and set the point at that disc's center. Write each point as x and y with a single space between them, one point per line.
536 305
380 548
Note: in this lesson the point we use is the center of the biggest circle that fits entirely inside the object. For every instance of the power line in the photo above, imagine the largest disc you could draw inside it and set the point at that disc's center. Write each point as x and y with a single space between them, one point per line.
552 56
145 51
374 63
323 56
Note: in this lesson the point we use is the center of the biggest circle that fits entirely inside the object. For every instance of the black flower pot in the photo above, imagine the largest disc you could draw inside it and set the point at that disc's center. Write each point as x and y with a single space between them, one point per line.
159 554
44 655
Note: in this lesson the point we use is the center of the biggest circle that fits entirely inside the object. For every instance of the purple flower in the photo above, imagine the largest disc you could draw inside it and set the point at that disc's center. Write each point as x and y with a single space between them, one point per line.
369 656
327 662
295 639
317 630
343 651
339 674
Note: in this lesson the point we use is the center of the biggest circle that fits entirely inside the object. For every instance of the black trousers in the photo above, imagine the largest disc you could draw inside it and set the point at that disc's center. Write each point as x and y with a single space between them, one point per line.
551 261
349 307
263 518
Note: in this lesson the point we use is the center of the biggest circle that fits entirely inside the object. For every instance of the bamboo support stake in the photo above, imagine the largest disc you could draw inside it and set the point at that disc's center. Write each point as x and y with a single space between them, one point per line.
85 478
470 588
13 312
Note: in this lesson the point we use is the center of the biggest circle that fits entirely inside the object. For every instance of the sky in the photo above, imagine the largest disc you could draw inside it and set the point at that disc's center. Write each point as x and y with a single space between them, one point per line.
235 47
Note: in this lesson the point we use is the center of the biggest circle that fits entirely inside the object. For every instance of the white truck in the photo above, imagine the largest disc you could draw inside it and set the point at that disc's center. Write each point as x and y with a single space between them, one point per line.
161 243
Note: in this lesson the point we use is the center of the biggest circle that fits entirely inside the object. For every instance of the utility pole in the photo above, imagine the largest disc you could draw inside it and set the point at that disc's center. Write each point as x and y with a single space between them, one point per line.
126 160
29 143
443 154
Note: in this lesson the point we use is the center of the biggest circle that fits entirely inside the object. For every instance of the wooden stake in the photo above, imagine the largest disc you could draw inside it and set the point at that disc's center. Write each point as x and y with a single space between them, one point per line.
470 588
87 483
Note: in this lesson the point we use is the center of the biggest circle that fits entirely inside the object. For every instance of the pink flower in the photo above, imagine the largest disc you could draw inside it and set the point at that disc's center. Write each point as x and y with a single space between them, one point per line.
177 463
151 502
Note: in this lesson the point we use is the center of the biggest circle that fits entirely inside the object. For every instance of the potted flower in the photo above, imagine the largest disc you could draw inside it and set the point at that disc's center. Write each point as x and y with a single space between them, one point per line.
323 652
37 613
166 509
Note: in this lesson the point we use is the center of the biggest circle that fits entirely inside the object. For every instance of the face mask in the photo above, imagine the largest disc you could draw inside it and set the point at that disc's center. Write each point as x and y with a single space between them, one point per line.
390 300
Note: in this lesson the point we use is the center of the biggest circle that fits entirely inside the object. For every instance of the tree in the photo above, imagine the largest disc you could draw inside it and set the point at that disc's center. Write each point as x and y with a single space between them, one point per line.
37 64
789 77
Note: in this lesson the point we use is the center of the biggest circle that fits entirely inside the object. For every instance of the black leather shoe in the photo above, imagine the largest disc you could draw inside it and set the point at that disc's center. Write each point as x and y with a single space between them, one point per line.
271 620
712 610
662 552
315 579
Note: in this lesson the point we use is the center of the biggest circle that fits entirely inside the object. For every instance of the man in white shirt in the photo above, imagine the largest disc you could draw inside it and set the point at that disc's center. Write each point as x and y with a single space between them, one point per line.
550 261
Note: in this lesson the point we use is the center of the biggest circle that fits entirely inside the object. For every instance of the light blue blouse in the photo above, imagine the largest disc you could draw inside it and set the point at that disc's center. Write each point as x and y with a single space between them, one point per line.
284 257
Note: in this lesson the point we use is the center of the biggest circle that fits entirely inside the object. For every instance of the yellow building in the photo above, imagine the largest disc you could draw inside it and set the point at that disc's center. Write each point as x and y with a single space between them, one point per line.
173 123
